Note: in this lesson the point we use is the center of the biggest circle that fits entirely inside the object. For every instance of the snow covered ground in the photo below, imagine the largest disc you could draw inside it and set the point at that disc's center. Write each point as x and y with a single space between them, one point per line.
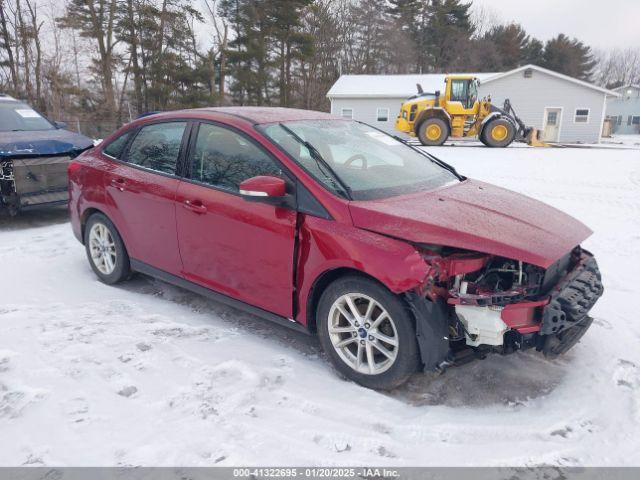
629 140
148 374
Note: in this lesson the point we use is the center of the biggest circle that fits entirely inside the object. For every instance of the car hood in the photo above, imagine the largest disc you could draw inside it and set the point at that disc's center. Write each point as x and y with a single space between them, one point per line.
43 142
477 216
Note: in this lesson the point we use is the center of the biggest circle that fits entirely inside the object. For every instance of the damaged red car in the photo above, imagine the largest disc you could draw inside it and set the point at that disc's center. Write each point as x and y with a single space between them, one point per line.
326 225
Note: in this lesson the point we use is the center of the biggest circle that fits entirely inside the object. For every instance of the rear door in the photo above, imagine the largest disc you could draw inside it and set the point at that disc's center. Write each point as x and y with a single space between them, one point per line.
141 189
239 248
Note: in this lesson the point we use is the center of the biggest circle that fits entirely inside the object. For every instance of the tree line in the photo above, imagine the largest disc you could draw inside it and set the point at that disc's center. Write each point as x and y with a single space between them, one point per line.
104 62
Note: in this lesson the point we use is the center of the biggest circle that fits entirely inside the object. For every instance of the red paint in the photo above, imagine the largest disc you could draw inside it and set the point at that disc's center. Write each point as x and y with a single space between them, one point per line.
272 186
523 316
476 216
239 248
246 249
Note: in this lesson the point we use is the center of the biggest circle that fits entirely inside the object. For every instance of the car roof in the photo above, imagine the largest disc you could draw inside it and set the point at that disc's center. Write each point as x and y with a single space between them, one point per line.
257 115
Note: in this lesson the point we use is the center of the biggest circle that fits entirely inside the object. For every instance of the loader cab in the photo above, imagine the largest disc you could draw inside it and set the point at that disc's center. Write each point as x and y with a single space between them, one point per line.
461 93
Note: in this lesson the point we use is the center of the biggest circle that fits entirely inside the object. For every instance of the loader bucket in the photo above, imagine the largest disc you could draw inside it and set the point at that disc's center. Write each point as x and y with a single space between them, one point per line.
533 138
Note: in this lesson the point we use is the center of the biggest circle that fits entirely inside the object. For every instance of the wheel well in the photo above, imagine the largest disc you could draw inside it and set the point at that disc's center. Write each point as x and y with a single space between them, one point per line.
321 283
83 219
432 113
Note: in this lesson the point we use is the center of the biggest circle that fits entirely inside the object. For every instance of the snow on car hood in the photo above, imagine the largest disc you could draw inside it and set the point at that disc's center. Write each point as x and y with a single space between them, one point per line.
475 216
42 142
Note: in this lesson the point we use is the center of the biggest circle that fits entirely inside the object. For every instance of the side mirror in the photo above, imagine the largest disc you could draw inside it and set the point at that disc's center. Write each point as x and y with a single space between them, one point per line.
263 188
61 125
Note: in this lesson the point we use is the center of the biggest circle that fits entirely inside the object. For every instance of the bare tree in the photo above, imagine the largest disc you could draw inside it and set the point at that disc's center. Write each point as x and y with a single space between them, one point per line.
220 44
618 67
7 42
35 34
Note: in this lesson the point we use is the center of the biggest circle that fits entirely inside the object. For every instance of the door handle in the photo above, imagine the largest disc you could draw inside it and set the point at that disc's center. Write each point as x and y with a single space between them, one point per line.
195 206
119 183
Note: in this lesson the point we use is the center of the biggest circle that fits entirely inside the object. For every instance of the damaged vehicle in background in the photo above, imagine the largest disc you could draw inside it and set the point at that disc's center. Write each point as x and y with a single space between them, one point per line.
34 156
329 226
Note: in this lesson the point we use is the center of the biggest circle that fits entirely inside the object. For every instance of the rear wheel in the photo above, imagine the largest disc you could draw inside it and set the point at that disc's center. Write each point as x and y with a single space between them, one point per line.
433 132
367 333
105 250
498 132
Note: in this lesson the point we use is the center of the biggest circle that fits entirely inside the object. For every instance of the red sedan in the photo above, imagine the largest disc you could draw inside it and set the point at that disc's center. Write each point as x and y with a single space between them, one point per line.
329 226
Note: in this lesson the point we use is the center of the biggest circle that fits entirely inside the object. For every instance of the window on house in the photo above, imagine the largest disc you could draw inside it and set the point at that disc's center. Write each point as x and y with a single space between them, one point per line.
635 120
528 73
629 120
582 115
619 122
382 114
347 113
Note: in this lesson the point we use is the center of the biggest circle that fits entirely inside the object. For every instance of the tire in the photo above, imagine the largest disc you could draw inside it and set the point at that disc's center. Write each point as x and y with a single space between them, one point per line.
498 132
365 341
102 241
433 132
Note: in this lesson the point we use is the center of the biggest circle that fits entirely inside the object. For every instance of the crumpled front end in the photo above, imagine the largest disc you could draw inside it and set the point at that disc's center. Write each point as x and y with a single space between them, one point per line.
33 167
502 305
30 181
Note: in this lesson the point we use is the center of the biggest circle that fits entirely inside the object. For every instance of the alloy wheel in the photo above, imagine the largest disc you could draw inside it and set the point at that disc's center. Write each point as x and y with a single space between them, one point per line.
102 248
363 334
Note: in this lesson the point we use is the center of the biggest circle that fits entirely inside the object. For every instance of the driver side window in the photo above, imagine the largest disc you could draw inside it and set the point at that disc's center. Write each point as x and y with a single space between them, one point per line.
223 158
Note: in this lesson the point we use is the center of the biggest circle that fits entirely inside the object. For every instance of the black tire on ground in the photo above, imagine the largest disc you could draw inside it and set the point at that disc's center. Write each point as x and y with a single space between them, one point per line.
498 132
122 269
433 132
407 357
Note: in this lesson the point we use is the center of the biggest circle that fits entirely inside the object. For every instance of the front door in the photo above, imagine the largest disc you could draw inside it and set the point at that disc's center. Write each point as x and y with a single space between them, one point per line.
239 248
551 131
142 188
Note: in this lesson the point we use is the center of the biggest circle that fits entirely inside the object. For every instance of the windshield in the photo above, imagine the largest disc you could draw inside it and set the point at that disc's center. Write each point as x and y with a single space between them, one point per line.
17 117
352 156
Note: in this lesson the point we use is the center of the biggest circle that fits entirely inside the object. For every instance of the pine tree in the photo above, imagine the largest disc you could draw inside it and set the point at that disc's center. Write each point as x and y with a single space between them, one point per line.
249 61
533 52
569 56
411 18
95 19
510 42
448 34
290 42
372 33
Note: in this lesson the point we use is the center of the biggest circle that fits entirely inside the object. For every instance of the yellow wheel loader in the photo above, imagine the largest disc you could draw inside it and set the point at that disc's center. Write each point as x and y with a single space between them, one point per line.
432 117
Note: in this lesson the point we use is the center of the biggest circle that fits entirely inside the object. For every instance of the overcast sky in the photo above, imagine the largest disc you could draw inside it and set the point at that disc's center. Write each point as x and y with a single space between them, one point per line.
599 23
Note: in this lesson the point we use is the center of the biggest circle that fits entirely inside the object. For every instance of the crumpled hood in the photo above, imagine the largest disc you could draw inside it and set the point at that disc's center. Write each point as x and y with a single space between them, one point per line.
475 216
42 142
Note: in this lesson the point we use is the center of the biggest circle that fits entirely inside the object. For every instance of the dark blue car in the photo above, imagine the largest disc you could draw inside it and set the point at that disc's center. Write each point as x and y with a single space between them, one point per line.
34 156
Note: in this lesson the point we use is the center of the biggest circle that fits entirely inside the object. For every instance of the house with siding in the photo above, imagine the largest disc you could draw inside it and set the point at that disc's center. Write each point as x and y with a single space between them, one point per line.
563 108
624 111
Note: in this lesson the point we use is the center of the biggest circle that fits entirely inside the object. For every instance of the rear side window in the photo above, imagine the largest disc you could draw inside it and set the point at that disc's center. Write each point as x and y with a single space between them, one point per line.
157 146
116 147
223 158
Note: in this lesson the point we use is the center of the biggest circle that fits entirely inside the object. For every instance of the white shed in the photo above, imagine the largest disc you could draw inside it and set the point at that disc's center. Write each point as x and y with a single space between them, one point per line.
565 109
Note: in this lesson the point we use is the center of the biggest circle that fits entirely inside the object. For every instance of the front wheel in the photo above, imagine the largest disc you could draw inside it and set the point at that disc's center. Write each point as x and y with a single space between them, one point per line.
367 332
498 132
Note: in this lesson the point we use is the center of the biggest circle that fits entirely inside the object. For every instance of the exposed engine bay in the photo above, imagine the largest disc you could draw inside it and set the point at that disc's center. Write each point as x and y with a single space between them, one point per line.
495 304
